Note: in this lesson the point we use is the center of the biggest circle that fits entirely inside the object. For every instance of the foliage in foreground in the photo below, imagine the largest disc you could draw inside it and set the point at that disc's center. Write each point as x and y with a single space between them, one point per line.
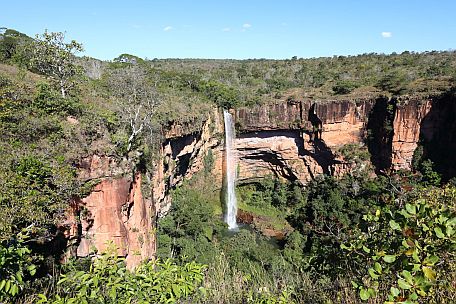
410 250
400 250
16 263
109 281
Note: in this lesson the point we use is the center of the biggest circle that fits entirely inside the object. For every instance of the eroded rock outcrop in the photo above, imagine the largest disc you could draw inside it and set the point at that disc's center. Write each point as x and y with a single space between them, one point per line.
299 139
438 134
406 131
116 211
182 155
122 209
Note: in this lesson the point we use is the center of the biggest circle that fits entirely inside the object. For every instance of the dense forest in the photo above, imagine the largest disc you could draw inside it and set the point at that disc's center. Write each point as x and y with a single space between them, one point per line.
363 237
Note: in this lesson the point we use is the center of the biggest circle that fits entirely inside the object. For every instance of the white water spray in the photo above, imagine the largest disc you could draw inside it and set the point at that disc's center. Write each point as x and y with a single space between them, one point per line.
231 203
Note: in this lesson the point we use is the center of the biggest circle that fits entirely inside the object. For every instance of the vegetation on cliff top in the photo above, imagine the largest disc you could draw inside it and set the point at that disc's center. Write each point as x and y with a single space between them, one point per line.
231 83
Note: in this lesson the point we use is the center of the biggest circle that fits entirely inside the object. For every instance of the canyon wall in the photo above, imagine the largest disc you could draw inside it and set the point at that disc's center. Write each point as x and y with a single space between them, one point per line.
292 139
124 203
406 131
116 211
299 139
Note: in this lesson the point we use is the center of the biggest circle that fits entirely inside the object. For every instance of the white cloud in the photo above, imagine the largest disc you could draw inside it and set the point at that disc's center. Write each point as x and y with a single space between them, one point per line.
168 28
246 25
387 34
226 29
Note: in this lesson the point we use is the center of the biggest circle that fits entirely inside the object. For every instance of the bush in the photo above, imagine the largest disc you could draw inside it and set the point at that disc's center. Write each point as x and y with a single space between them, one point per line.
109 281
407 250
223 95
344 87
430 177
51 102
394 82
16 265
34 191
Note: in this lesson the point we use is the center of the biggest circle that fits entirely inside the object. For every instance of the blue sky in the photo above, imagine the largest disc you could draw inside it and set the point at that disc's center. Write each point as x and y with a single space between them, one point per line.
240 29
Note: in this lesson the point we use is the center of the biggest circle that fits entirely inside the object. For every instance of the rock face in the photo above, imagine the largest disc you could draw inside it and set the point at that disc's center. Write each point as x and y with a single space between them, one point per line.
115 211
119 209
438 130
406 135
183 155
298 140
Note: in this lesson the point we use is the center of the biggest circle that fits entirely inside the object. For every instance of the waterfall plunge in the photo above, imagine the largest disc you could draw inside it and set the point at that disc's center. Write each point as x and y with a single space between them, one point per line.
231 203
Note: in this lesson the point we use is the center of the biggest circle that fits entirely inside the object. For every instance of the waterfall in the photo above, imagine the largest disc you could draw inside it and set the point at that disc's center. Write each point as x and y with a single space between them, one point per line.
230 176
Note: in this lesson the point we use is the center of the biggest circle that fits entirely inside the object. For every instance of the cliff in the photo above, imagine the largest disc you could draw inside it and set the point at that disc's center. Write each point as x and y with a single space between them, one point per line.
299 139
115 211
122 207
292 139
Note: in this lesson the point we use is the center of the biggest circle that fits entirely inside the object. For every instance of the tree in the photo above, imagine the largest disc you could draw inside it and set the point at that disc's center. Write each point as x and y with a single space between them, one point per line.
55 58
10 40
344 87
137 100
394 82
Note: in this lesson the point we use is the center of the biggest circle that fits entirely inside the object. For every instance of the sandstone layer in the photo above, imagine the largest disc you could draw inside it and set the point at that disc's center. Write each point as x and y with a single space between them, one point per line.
407 126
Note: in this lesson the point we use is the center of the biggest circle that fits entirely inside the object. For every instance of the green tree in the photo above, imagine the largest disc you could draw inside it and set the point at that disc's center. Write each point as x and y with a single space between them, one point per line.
344 87
430 177
10 40
394 82
55 58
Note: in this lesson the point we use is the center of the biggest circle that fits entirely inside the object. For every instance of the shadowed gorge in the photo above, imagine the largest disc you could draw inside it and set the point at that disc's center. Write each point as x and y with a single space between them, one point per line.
438 129
380 133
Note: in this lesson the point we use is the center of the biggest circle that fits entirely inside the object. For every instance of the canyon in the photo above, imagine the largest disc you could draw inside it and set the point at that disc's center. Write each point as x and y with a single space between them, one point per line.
294 139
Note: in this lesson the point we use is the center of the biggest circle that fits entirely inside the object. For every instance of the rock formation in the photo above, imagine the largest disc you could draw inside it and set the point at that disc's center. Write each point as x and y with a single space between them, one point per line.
120 209
298 140
406 126
115 211
292 139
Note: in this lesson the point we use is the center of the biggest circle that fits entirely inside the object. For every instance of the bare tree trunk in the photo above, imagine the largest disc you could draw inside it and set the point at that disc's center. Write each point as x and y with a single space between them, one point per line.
62 91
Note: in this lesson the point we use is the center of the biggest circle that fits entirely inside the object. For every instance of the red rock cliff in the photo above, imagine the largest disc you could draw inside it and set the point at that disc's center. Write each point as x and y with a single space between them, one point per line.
406 126
115 211
294 139
300 138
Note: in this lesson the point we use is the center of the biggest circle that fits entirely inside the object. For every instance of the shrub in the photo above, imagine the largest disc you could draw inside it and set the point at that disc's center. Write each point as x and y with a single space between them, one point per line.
109 281
223 95
344 87
430 177
49 100
16 264
393 82
407 250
